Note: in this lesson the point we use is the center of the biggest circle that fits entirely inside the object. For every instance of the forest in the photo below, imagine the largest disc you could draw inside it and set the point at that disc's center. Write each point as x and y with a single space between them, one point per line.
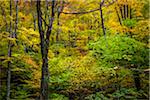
74 49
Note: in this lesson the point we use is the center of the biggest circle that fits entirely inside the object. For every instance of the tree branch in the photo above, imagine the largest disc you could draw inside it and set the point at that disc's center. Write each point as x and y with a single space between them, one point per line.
90 11
44 22
48 32
81 12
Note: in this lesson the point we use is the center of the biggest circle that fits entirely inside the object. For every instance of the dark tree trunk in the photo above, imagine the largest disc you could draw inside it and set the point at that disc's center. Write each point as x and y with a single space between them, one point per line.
102 22
58 27
118 16
9 55
46 13
121 12
8 73
124 11
44 50
45 77
127 11
16 21
10 45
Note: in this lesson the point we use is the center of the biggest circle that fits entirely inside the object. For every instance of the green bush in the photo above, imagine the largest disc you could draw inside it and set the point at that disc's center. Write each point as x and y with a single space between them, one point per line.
121 51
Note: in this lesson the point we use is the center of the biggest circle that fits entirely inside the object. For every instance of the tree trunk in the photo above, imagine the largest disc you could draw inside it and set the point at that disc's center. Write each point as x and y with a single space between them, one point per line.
102 22
119 19
16 21
59 10
121 11
9 55
46 13
58 28
44 50
45 76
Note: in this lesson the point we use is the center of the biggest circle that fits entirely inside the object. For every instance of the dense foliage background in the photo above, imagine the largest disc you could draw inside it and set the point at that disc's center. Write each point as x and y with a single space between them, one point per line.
86 61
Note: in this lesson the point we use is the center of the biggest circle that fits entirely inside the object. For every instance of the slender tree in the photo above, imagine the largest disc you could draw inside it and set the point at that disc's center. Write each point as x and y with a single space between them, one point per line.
102 20
59 10
10 45
44 38
9 55
16 20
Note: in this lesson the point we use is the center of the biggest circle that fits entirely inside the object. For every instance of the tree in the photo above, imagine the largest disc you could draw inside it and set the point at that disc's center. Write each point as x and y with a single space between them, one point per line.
10 45
9 55
102 20
44 38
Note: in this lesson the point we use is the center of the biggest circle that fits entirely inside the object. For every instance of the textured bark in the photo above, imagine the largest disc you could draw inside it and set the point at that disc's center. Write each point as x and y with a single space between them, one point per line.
44 49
